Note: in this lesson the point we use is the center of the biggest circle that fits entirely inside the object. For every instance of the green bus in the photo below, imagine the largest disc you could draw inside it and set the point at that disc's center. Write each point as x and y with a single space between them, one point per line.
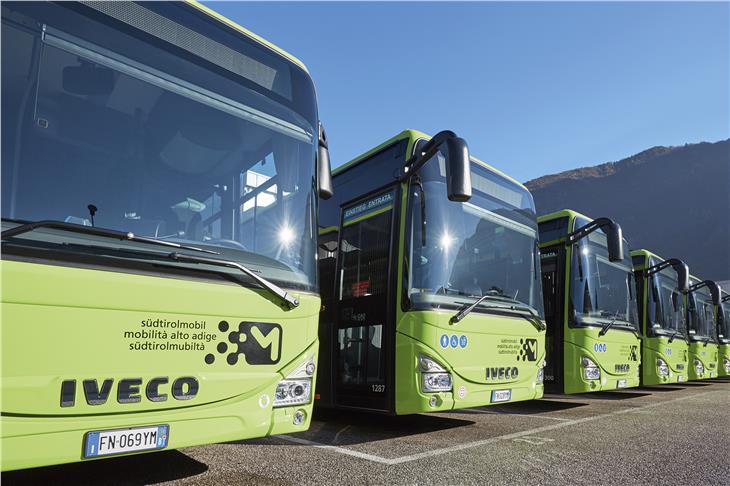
723 336
702 299
160 171
589 288
430 282
662 286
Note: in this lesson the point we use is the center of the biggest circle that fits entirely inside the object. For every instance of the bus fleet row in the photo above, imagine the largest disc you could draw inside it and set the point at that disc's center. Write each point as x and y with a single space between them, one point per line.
180 267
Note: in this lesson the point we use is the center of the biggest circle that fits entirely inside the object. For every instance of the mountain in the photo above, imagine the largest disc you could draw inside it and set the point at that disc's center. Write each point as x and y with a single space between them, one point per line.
674 201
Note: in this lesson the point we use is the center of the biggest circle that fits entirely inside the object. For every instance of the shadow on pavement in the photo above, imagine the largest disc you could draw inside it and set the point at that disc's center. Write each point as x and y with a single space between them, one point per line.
532 407
342 428
613 395
129 470
662 388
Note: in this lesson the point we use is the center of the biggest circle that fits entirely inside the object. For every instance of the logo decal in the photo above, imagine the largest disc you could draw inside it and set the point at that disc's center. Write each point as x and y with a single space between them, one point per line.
462 391
258 342
444 340
454 341
634 352
599 347
528 352
463 341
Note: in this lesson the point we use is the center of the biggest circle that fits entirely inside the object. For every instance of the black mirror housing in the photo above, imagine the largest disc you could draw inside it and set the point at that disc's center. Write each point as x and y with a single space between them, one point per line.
324 169
615 241
682 276
714 291
458 170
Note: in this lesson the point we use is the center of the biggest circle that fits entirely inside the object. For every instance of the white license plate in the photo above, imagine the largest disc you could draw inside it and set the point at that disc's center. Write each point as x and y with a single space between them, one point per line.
501 395
712 374
621 384
121 441
680 378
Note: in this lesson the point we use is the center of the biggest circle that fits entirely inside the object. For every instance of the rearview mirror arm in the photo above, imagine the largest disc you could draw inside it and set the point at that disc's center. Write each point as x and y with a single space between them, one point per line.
429 150
678 265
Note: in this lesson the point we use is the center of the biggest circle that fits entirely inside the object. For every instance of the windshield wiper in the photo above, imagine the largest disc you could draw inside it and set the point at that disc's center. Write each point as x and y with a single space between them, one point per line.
96 231
607 326
289 301
674 335
533 318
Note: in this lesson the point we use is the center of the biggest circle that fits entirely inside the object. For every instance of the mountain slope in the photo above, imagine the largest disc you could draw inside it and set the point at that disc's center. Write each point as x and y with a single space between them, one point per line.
674 201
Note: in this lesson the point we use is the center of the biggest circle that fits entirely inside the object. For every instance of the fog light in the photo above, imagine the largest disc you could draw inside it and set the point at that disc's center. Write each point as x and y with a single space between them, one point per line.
433 401
299 417
726 362
310 369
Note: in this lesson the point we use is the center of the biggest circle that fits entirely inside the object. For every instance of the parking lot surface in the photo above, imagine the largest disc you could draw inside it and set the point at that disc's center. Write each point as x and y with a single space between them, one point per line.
659 435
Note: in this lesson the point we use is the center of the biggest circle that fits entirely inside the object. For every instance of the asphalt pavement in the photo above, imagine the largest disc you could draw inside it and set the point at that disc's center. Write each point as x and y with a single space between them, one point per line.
659 435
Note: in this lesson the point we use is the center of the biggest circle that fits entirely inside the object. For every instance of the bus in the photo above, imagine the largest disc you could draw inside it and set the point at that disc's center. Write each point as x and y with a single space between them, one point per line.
723 336
661 287
429 278
593 343
161 171
703 297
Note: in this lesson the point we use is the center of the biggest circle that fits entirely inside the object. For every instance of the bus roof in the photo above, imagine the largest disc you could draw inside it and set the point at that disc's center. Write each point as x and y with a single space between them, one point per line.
646 253
412 136
561 214
228 22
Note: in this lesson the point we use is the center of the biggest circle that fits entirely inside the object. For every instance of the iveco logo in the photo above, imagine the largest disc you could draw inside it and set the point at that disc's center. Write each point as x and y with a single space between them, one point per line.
622 368
129 390
503 373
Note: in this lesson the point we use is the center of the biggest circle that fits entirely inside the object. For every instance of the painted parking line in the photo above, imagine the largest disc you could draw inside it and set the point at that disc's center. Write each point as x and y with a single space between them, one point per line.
478 443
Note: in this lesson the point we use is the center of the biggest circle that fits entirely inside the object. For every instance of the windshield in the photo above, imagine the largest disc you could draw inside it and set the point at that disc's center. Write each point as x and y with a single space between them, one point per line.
701 313
461 251
601 291
723 327
666 309
162 145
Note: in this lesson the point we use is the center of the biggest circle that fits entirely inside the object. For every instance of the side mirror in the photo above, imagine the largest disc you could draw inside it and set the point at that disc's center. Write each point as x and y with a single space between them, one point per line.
714 291
324 171
682 276
458 170
87 79
615 241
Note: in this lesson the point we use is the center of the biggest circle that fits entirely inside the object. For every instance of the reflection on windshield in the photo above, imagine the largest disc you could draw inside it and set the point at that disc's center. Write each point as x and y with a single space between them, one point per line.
666 309
724 322
487 246
157 155
701 313
601 290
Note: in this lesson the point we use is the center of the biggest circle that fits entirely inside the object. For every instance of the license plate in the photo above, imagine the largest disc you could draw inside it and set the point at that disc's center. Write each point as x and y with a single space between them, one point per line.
122 441
621 384
680 378
501 395
712 374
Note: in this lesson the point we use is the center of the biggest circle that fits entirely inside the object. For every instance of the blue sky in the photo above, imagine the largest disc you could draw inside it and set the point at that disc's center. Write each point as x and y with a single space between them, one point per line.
535 88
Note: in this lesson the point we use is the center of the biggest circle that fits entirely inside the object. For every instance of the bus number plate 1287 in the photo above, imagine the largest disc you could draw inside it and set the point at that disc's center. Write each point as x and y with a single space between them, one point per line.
121 441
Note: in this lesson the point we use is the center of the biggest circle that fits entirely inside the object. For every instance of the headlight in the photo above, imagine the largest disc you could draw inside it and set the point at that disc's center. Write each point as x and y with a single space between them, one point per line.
436 382
590 369
434 377
540 373
699 368
428 365
296 389
662 367
726 362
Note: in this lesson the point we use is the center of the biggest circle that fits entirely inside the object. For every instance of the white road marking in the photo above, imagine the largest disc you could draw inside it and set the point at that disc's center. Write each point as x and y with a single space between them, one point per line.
478 443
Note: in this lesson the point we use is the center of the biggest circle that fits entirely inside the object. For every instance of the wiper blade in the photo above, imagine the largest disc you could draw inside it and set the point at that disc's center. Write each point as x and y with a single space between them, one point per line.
674 335
288 300
96 231
533 318
607 326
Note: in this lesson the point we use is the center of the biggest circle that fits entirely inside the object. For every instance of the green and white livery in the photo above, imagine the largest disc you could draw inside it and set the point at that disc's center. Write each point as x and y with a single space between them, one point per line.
702 300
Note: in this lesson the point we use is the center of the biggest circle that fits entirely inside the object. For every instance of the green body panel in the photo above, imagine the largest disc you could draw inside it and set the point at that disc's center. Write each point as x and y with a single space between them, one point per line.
658 347
61 323
492 341
621 347
723 353
707 355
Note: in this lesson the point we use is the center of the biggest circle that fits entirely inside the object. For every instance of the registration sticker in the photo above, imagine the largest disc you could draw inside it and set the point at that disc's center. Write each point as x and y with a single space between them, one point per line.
621 384
121 441
501 395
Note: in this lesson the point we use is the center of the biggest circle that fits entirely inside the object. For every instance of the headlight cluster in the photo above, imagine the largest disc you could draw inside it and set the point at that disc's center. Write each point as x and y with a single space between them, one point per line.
434 378
540 373
662 367
590 369
726 362
296 389
699 368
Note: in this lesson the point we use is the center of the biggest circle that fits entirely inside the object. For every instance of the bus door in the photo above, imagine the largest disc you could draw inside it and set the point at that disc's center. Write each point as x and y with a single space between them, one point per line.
363 325
552 262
